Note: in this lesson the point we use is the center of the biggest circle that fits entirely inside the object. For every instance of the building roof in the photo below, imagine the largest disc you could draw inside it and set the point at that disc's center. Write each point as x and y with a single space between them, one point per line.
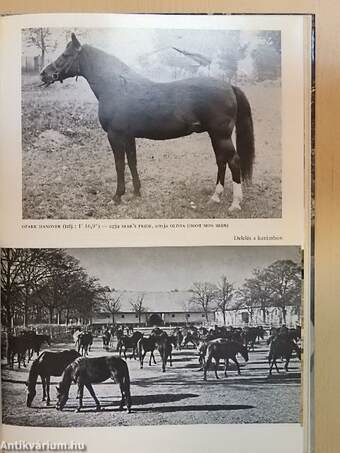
158 301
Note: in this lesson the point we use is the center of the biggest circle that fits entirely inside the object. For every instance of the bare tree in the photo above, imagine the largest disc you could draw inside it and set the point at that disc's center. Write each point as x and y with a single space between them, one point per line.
111 302
138 307
224 294
40 38
204 296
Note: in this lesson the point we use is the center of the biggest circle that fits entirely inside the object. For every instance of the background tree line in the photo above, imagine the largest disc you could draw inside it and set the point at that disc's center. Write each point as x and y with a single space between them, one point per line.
45 286
278 285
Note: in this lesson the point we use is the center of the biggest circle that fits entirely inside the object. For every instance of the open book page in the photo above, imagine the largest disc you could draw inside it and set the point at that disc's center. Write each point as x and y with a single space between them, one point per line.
154 191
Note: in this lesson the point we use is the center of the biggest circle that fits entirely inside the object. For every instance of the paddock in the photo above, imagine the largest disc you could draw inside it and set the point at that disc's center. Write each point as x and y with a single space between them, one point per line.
68 167
178 396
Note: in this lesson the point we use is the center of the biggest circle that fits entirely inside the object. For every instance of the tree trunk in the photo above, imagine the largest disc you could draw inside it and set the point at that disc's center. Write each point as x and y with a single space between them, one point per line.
224 317
264 315
50 309
284 314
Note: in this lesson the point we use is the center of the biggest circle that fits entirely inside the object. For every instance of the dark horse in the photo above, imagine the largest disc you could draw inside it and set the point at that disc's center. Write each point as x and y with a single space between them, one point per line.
87 371
126 342
85 340
46 365
282 346
132 106
145 345
224 350
164 346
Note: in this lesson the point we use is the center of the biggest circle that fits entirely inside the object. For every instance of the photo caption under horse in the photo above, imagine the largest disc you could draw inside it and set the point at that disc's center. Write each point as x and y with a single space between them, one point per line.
132 106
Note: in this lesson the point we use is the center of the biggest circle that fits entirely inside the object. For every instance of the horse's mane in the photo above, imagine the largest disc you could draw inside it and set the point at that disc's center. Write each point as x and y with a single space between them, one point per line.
108 63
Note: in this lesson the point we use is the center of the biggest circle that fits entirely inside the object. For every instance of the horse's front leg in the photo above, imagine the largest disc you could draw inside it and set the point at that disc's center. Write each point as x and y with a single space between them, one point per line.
217 362
119 145
237 365
132 162
47 383
91 391
81 393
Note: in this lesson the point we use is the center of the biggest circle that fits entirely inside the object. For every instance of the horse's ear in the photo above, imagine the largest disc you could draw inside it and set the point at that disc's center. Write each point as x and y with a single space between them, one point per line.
75 41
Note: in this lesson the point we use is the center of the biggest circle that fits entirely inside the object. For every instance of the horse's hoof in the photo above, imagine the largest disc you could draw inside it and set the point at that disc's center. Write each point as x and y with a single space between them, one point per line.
234 207
117 199
77 410
98 408
214 199
137 193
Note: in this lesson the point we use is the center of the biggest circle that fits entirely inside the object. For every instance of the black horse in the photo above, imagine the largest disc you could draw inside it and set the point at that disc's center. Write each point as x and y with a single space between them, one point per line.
145 345
125 342
85 340
35 343
87 371
17 346
46 365
224 350
106 339
282 346
132 106
164 346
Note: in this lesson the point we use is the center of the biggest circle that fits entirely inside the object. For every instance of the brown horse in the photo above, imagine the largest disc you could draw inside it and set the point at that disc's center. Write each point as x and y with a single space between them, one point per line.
87 371
46 365
226 350
132 106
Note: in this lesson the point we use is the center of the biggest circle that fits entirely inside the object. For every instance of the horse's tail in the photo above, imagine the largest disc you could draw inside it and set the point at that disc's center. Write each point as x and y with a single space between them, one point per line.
244 135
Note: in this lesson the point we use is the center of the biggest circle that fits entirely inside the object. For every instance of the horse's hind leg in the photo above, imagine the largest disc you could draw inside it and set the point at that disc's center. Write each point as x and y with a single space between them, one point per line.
43 384
91 391
153 356
225 153
132 162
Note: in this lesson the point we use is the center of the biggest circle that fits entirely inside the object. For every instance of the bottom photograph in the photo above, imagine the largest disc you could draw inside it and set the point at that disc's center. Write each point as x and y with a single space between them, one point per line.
151 336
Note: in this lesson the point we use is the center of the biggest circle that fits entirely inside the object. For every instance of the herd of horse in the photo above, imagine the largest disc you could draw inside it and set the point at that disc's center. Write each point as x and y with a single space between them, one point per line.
75 366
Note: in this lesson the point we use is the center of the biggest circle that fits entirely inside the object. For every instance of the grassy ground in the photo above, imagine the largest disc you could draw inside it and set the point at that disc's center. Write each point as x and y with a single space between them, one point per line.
179 396
68 167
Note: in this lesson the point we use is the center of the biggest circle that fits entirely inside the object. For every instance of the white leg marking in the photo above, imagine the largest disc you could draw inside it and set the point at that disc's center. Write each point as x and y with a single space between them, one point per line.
237 197
218 192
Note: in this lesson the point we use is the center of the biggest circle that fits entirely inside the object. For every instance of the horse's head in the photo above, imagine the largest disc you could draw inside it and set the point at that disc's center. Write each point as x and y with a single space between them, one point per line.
62 397
65 66
31 392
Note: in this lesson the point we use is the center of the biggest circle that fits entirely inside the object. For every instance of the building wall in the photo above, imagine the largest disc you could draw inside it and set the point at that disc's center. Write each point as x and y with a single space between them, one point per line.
168 318
273 317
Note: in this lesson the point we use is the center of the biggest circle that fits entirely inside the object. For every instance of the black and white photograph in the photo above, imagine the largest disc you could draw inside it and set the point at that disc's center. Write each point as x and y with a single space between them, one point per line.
151 123
151 336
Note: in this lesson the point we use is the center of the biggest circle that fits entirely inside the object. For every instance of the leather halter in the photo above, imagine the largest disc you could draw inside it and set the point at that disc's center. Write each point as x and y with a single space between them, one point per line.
57 75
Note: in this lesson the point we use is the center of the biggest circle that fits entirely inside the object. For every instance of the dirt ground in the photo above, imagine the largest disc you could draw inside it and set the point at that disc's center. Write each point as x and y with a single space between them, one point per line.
178 396
68 168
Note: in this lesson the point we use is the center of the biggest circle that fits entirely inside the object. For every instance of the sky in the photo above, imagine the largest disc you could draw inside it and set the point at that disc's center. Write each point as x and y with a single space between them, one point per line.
169 268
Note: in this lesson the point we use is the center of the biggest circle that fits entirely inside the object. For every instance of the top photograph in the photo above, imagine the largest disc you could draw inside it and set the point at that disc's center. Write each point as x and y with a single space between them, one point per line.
147 123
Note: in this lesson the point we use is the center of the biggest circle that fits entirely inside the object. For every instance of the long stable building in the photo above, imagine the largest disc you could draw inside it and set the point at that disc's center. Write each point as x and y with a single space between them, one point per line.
173 308
161 308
